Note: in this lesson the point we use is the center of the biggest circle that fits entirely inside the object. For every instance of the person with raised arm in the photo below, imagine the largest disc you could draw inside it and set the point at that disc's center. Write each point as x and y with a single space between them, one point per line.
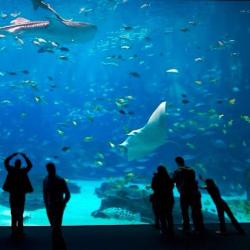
18 184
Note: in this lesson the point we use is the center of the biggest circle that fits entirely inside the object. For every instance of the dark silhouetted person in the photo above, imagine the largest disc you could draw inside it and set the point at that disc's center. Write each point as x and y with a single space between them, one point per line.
17 183
56 195
221 207
163 200
44 5
154 204
190 196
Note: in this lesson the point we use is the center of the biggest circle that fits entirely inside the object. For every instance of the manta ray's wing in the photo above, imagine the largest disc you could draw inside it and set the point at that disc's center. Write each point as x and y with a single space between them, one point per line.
141 142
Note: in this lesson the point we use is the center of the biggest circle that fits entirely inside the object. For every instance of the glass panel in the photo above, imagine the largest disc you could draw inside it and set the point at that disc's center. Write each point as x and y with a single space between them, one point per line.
71 92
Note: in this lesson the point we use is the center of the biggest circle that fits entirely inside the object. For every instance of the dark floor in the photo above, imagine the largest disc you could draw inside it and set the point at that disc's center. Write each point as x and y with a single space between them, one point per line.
124 237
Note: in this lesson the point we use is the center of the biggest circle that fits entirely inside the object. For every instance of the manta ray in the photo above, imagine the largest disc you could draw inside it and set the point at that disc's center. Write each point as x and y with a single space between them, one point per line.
61 31
142 141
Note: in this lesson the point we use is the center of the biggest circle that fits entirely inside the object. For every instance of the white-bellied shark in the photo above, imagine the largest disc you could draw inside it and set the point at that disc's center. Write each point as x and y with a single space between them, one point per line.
59 31
143 141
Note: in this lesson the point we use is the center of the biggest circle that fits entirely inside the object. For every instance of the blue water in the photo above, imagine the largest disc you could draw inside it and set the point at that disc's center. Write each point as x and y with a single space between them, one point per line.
65 109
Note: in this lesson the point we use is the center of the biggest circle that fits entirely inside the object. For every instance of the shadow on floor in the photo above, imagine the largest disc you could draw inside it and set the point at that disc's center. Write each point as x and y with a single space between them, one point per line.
122 237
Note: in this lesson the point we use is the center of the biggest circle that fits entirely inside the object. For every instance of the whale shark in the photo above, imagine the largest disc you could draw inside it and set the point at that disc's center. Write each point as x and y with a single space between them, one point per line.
141 142
60 31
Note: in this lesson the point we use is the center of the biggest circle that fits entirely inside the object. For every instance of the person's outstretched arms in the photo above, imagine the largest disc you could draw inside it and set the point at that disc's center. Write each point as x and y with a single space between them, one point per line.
201 178
7 161
29 164
204 180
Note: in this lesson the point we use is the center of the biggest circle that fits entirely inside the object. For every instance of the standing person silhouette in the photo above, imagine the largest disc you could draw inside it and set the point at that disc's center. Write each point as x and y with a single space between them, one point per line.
44 5
56 195
190 196
17 183
221 207
163 200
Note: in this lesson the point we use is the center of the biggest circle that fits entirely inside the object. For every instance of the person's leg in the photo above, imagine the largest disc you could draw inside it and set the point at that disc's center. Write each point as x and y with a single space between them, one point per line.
234 221
156 213
221 216
197 213
21 204
184 211
170 223
49 212
163 222
13 212
58 216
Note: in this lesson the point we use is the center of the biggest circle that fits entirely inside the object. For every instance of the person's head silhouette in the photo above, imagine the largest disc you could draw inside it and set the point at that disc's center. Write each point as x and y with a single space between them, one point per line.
180 161
51 168
18 164
161 169
210 183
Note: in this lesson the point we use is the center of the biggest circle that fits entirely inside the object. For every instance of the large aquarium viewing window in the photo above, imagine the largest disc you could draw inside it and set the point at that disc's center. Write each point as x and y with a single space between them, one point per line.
108 90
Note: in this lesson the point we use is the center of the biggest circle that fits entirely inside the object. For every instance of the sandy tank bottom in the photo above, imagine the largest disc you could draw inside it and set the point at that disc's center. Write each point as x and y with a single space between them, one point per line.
81 205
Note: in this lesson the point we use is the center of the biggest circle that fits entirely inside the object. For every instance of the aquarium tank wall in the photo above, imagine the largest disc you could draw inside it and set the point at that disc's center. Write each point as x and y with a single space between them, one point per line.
130 85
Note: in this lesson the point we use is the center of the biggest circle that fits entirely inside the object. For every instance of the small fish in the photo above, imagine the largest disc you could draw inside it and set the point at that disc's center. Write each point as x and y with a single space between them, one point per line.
99 163
88 138
173 70
60 132
236 89
3 15
23 114
5 102
185 101
25 71
125 47
198 82
99 155
121 111
74 123
111 144
246 118
38 99
230 123
126 27
15 14
45 49
65 148
190 145
199 59
232 101
135 74
64 58
184 29
12 73
145 5
64 49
